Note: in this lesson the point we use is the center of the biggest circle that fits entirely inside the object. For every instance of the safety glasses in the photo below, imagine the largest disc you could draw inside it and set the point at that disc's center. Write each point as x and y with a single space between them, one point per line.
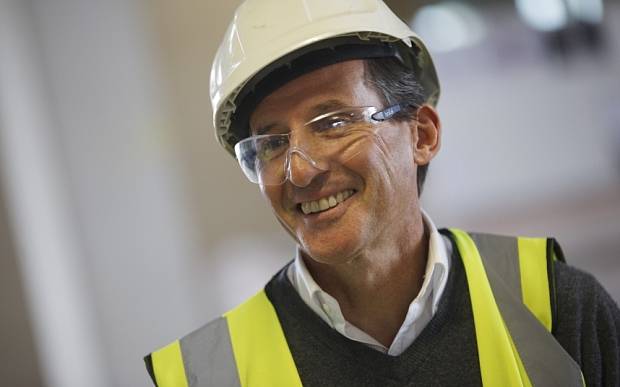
325 142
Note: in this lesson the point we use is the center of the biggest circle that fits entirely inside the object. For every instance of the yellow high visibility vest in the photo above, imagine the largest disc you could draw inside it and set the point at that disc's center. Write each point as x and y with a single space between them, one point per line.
511 296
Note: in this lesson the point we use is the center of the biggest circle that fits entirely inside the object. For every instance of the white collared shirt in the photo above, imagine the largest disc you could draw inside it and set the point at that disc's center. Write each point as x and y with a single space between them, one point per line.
421 309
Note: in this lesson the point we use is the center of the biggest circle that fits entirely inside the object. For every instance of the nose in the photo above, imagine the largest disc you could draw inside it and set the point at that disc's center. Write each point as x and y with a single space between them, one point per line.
300 168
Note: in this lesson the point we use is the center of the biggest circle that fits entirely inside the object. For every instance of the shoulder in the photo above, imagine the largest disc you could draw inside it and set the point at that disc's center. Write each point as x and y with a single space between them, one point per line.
206 355
587 324
580 295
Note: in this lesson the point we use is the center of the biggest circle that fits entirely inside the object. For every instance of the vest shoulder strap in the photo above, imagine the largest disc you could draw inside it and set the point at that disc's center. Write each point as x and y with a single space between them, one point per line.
526 267
261 351
202 358
245 347
511 287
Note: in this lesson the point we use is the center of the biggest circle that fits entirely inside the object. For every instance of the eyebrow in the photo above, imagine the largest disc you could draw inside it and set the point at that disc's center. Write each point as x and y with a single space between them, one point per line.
320 108
264 129
329 105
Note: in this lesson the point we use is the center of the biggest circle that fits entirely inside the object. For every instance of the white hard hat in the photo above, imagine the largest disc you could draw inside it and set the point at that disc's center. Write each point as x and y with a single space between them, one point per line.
266 34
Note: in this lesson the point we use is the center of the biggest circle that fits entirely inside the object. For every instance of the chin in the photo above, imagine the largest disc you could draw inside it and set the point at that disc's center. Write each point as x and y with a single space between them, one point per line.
337 253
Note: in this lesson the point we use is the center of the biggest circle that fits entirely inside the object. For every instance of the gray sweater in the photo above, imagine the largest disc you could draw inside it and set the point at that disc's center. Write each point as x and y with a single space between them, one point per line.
445 353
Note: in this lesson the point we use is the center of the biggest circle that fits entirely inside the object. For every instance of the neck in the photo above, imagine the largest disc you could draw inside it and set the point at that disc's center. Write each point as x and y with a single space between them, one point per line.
374 289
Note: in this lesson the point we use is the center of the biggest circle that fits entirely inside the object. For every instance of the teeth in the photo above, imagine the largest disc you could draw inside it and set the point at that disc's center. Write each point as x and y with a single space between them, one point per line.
325 203
339 197
314 207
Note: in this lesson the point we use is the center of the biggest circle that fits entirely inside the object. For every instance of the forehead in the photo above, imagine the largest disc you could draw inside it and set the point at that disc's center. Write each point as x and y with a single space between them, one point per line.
329 88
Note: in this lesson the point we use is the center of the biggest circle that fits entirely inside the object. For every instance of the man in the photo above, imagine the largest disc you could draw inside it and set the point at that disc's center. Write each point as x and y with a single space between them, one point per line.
330 108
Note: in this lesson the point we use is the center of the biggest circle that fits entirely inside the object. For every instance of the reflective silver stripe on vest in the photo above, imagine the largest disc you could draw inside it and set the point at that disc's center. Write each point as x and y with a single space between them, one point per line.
544 359
208 356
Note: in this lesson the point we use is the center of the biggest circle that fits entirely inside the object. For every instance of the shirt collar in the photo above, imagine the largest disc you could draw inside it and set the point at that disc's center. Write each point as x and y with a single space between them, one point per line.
439 252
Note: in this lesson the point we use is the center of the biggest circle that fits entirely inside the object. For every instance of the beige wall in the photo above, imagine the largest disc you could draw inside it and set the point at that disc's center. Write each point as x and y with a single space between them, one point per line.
189 32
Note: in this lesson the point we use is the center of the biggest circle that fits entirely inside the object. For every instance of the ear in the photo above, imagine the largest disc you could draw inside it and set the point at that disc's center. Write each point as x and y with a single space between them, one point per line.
427 130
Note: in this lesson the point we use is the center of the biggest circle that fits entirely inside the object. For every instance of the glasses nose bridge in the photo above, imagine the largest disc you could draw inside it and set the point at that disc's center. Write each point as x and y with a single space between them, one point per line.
304 142
301 154
301 170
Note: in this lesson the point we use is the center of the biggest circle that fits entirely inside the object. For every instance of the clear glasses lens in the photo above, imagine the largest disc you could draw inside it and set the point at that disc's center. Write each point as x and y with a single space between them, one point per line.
325 141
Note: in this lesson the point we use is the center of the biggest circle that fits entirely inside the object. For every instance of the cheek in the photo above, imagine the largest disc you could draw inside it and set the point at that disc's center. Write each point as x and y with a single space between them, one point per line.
278 199
392 157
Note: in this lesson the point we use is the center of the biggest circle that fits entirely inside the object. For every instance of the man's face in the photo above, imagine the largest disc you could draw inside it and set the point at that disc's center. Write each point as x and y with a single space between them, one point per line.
381 178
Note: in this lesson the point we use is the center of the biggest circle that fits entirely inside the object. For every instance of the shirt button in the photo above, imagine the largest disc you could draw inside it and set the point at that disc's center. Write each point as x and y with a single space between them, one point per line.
326 308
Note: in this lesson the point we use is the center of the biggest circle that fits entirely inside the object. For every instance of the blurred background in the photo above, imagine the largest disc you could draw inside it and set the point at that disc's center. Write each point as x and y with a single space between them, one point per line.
124 225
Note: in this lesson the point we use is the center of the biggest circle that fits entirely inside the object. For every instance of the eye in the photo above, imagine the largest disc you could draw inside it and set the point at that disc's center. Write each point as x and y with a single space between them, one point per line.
339 121
271 147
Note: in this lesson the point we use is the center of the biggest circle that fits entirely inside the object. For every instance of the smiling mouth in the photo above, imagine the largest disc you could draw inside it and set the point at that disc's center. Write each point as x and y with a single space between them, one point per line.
325 203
